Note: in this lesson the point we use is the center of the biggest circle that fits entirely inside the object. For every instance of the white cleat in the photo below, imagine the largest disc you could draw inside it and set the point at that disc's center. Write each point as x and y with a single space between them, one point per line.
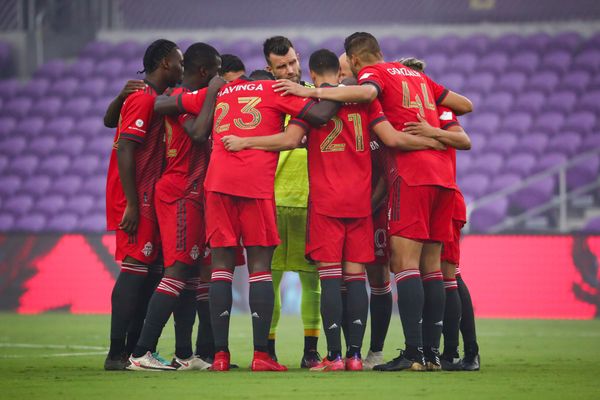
147 362
194 363
373 359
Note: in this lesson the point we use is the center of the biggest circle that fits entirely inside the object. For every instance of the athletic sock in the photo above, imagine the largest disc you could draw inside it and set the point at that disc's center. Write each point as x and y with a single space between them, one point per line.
467 322
331 307
345 323
433 310
205 342
357 312
261 308
309 309
381 314
160 308
124 301
410 306
220 307
452 315
310 343
184 316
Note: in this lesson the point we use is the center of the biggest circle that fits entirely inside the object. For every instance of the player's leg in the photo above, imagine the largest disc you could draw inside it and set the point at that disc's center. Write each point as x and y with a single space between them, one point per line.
380 308
311 316
433 307
450 358
277 276
467 326
205 343
357 312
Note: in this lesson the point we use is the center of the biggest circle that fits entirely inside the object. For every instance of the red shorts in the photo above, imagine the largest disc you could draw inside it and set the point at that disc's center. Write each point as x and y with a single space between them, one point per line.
380 236
143 246
451 249
182 230
232 221
331 239
421 213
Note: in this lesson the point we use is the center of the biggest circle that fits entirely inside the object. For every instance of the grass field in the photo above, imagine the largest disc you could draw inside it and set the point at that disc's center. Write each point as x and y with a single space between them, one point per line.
60 356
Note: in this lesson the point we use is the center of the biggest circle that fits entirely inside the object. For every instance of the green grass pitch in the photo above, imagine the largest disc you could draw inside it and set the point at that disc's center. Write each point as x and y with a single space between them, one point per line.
60 356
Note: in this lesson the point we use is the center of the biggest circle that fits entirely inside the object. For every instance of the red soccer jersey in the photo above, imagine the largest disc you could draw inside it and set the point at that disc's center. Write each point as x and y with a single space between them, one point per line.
403 93
187 161
248 108
137 122
339 161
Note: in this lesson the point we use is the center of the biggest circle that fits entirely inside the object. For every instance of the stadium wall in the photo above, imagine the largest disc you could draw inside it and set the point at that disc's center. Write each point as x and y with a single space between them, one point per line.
509 276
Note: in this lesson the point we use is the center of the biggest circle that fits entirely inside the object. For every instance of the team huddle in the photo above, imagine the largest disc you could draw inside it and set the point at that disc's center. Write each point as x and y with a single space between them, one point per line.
365 185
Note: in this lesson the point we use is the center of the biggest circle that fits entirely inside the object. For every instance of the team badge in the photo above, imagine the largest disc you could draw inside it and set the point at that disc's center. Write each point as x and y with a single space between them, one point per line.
195 252
147 250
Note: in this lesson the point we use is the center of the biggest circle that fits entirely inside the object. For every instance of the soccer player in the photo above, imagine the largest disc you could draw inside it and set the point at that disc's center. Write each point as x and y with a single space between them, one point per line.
179 207
421 201
240 208
340 226
457 294
291 197
231 67
135 166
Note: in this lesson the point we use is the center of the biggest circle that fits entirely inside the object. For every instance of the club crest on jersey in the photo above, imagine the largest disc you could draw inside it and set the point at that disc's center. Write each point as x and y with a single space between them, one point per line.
195 252
147 250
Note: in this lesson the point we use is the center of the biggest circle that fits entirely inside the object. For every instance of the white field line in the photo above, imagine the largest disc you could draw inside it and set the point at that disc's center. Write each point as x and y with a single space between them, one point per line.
51 346
94 353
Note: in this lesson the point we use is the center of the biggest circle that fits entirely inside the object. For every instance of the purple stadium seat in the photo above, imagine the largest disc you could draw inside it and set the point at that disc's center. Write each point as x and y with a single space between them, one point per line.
101 145
507 42
478 142
453 81
534 143
92 87
480 81
511 82
588 60
85 164
447 43
52 70
495 62
558 61
77 106
485 122
488 163
100 203
30 223
549 160
18 205
54 165
592 226
562 101
565 143
59 127
568 41
64 87
99 106
130 69
489 215
73 146
7 222
3 162
81 204
582 122
29 127
36 185
7 124
583 173
47 107
545 81
550 122
590 142
252 63
9 87
530 102
521 164
435 64
9 184
13 146
63 222
50 203
35 88
577 80
17 107
590 101
534 195
503 181
82 68
97 50
67 184
90 127
23 165
464 63
500 103
536 42
109 68
93 223
476 43
42 146
95 186
463 163
131 49
389 46
518 122
474 184
503 143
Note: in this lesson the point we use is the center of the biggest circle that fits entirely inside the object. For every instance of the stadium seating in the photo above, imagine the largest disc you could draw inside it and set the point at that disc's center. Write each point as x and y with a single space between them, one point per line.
537 99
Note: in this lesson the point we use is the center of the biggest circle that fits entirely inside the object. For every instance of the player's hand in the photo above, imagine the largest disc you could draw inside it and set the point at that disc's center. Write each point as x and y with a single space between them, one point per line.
132 86
286 87
421 128
131 216
435 144
233 143
216 82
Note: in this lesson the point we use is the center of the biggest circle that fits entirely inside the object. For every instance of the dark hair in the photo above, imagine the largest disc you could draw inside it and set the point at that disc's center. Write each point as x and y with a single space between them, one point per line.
231 63
278 45
199 55
413 63
155 53
261 75
323 61
361 42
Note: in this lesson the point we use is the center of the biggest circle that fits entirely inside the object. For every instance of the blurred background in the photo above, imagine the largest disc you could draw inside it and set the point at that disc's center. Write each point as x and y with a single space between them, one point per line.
531 180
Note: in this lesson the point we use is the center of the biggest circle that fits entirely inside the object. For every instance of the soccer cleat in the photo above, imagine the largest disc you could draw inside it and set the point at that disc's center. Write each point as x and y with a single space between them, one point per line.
402 362
471 363
221 361
147 362
310 359
163 361
327 366
194 363
116 363
354 363
262 361
373 358
432 359
450 363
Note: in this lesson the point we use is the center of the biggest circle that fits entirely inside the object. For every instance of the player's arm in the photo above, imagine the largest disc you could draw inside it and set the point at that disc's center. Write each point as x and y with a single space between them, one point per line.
126 163
288 140
200 129
457 103
378 194
111 118
454 136
403 141
344 94
321 112
168 105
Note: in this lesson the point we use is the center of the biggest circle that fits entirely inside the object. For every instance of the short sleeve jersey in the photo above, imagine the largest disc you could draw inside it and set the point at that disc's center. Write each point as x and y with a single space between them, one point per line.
339 161
248 108
186 161
404 93
137 122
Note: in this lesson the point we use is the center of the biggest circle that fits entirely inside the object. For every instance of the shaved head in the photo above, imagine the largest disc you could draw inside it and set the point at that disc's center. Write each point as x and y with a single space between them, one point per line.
345 71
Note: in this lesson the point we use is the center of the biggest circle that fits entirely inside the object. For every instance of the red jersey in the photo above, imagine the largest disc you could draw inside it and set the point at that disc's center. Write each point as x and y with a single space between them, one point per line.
186 161
448 119
418 94
339 161
248 108
137 122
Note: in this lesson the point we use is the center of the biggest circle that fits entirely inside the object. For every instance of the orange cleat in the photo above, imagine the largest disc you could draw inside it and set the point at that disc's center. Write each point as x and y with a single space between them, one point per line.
328 366
262 361
221 361
354 363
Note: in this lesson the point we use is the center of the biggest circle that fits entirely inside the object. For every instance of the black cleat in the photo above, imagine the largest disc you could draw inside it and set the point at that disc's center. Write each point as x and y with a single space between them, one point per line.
310 359
116 363
451 363
432 360
402 362
471 363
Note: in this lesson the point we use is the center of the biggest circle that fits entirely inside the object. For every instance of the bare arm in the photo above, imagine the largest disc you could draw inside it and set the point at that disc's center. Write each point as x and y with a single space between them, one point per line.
344 94
290 139
455 136
378 194
126 163
403 141
321 112
200 130
457 103
111 117
167 105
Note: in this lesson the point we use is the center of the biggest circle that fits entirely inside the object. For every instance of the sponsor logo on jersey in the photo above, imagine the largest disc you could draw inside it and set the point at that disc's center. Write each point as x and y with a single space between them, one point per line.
139 123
